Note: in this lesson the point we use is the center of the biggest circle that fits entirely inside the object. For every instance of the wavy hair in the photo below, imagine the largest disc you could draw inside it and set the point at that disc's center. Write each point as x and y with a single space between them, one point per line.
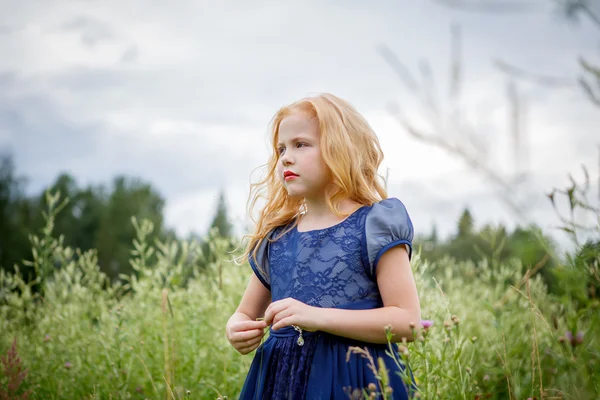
351 151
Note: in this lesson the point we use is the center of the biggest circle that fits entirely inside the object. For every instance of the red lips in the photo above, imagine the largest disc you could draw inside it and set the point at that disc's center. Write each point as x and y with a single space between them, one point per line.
289 174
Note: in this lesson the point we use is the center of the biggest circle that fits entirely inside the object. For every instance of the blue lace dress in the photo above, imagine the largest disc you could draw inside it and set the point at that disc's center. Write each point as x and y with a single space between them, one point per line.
332 268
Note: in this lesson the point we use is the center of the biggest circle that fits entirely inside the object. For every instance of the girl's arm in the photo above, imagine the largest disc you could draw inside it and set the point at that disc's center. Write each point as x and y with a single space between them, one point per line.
401 307
254 302
243 331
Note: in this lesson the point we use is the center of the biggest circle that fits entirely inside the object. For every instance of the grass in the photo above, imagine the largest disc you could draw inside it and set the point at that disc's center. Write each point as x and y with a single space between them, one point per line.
495 334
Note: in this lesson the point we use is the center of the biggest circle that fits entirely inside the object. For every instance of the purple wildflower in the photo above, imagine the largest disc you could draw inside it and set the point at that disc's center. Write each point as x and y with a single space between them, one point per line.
574 340
579 337
569 336
426 323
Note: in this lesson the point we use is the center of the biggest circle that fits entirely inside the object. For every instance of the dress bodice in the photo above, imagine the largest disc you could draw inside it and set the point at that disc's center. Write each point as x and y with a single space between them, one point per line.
322 267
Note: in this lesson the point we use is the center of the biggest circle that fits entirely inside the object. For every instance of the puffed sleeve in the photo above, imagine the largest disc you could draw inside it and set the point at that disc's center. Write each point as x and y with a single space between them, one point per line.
386 225
260 266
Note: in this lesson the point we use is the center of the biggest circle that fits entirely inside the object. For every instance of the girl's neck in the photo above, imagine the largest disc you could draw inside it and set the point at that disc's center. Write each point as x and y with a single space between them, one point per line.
317 210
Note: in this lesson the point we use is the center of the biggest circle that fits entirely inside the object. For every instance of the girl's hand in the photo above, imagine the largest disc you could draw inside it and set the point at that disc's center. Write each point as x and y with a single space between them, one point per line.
287 312
245 336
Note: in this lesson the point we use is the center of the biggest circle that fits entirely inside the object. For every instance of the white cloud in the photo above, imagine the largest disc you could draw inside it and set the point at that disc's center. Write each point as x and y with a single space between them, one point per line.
181 94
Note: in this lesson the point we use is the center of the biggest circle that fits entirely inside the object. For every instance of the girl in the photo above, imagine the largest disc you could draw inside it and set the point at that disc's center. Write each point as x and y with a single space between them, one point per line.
331 260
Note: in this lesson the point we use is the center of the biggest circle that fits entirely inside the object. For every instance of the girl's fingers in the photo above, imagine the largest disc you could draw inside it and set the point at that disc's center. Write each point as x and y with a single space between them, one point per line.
272 314
283 322
247 350
251 343
275 308
248 347
248 325
269 315
244 336
281 315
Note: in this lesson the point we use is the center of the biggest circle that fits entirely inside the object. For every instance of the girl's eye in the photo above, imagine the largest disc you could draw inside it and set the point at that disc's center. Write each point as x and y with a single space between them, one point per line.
301 144
280 150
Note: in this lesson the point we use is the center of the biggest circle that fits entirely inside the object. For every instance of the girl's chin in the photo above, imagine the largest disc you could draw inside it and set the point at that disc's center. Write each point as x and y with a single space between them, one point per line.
295 193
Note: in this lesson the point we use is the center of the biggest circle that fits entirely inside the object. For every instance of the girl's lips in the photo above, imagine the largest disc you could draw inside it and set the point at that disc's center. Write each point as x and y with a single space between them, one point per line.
287 174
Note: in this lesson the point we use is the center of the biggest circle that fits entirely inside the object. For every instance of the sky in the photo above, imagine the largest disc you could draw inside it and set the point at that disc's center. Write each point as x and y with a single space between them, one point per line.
180 94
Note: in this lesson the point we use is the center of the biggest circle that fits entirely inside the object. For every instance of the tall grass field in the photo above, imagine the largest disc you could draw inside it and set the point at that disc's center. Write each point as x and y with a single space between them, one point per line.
492 330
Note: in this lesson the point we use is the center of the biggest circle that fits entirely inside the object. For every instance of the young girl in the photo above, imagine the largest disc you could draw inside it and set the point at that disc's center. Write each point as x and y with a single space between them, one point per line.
331 260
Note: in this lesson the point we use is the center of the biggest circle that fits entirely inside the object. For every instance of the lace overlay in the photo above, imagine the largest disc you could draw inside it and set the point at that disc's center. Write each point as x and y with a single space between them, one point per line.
333 267
323 267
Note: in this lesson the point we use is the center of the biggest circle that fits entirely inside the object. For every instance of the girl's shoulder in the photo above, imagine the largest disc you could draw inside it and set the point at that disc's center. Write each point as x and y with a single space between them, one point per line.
386 225
385 214
390 210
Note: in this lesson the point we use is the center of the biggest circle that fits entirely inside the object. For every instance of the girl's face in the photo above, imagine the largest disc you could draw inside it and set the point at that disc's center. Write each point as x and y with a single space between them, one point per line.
301 166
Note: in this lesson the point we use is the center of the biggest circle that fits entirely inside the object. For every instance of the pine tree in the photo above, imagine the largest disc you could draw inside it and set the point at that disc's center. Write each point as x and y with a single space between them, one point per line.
221 219
433 237
465 224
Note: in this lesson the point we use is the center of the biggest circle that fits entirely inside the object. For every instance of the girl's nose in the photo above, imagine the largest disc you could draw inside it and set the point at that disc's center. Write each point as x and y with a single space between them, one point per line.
286 160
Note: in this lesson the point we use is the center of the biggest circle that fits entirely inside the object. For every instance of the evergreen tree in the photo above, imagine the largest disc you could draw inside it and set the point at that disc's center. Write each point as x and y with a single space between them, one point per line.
115 232
465 224
221 219
433 237
223 228
15 214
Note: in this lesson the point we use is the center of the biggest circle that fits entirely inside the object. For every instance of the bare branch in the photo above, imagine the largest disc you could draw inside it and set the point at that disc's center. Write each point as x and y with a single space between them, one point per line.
456 62
587 87
591 15
572 9
539 79
590 68
516 118
429 87
398 68
469 158
466 143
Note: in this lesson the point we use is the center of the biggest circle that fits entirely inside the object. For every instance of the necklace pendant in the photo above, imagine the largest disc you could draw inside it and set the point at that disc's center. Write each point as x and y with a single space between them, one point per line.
300 340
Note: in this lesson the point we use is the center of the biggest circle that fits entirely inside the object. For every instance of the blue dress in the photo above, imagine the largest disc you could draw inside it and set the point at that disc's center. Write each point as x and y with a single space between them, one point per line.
333 268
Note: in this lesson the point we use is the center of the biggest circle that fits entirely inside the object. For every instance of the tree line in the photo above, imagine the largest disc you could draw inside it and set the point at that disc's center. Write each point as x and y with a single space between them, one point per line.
96 216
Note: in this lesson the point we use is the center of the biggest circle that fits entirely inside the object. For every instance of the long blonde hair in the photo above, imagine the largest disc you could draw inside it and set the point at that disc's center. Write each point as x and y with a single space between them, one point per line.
351 151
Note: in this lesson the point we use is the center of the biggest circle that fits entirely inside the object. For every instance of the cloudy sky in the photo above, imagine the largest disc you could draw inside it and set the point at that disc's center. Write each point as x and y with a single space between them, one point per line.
180 94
